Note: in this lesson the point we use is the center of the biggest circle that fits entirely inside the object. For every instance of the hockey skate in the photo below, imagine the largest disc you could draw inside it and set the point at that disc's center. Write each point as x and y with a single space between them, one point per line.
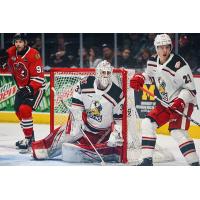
25 145
146 162
195 164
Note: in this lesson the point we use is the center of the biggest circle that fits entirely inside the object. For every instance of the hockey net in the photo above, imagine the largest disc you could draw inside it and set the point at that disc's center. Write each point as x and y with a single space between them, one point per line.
64 81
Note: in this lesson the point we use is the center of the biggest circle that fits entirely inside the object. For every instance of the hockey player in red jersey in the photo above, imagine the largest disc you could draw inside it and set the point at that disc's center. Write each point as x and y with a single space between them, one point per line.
96 112
26 66
174 80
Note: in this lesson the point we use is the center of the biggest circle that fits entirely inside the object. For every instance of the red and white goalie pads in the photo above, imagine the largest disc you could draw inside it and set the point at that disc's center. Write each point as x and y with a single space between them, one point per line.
58 142
51 146
77 153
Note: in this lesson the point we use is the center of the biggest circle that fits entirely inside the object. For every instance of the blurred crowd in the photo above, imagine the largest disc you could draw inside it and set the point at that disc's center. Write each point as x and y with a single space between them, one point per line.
132 51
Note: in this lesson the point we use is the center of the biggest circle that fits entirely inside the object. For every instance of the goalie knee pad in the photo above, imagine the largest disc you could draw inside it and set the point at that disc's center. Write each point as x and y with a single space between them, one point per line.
186 145
148 137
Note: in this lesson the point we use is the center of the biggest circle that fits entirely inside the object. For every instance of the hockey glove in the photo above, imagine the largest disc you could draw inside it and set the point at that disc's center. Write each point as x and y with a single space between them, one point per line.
3 58
179 105
137 81
26 91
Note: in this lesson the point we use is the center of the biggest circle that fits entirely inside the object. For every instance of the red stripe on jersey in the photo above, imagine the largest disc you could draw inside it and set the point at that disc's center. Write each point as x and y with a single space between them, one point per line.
188 152
168 72
152 65
149 138
108 99
185 143
76 104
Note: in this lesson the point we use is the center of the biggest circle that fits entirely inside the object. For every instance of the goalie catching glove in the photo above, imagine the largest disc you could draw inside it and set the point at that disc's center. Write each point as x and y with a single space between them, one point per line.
26 91
115 138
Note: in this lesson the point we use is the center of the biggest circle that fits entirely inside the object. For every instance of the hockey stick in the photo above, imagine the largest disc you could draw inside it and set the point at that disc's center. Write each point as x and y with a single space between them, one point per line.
66 107
102 161
167 106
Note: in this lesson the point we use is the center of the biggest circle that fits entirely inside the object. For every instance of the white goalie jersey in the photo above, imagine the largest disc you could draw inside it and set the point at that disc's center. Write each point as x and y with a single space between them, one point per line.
173 79
101 106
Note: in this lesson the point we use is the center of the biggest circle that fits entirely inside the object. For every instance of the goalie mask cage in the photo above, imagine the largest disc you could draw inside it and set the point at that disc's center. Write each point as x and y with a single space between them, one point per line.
64 81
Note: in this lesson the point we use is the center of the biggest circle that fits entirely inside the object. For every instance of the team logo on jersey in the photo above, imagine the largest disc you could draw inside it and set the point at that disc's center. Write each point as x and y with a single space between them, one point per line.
37 56
13 58
83 80
161 89
177 65
25 59
21 71
94 111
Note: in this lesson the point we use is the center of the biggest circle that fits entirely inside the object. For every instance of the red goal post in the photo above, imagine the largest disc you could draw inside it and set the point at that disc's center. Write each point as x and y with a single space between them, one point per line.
63 80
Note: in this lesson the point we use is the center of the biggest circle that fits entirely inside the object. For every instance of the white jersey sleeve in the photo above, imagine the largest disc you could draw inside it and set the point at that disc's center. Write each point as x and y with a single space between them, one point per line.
185 77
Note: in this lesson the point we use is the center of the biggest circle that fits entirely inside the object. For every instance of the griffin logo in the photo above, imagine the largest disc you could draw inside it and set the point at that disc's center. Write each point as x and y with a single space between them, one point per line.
94 111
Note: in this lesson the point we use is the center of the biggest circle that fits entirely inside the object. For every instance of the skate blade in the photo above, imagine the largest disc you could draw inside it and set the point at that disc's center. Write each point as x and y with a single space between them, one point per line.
25 151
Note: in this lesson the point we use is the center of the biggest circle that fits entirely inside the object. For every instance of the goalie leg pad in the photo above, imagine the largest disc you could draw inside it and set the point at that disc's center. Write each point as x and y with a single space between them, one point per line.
40 152
51 146
76 153
186 145
148 137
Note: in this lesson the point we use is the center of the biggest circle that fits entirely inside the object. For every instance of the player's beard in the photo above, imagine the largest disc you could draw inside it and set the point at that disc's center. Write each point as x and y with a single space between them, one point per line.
20 48
103 83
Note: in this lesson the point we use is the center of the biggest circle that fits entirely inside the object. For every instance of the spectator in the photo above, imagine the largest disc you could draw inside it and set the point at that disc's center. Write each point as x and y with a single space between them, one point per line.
58 58
125 60
85 58
135 42
187 51
149 43
62 55
38 44
108 53
142 59
94 57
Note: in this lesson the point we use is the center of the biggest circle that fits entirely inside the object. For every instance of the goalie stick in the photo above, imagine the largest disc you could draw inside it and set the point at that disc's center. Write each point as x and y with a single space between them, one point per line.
66 107
167 106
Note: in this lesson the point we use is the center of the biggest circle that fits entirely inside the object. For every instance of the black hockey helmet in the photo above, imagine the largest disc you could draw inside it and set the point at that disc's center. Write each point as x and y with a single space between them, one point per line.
19 36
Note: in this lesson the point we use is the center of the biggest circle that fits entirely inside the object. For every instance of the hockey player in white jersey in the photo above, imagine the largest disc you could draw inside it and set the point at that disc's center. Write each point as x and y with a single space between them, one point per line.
96 111
174 80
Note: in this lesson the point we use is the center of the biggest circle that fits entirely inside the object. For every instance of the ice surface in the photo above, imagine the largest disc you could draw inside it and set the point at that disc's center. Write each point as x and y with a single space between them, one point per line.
10 156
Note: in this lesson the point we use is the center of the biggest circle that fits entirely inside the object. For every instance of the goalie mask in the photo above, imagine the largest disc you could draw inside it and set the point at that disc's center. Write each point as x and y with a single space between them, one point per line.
162 39
104 74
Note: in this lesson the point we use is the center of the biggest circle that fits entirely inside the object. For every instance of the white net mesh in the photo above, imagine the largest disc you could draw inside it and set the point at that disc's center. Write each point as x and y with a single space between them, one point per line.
64 85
